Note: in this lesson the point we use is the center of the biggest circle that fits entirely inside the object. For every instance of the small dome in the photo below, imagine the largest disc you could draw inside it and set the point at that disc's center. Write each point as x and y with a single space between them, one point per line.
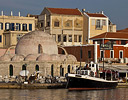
63 57
55 57
31 57
18 58
36 42
44 57
6 57
72 58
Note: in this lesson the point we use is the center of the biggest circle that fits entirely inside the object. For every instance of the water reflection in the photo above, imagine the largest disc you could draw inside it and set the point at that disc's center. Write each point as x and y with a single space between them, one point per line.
63 94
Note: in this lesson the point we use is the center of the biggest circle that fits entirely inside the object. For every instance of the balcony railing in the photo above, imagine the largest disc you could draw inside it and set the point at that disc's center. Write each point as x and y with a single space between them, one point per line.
99 27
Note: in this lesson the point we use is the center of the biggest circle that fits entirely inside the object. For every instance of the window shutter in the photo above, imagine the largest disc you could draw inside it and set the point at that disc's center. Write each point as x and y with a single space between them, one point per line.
19 27
1 25
5 26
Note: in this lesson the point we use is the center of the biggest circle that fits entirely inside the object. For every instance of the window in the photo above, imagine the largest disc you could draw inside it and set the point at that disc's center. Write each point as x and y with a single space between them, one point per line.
68 69
111 54
75 38
123 42
56 24
98 24
0 38
37 67
11 70
93 21
67 24
12 26
64 38
59 38
80 38
48 24
30 27
101 54
89 54
24 67
17 26
24 27
104 22
1 26
52 70
7 26
70 38
61 71
121 54
40 49
42 24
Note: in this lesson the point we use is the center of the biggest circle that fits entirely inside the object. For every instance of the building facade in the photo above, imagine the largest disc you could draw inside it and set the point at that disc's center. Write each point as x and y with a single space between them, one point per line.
115 46
95 24
65 25
12 28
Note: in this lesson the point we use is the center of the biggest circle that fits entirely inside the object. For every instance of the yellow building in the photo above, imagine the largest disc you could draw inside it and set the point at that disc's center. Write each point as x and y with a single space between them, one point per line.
95 24
65 25
12 28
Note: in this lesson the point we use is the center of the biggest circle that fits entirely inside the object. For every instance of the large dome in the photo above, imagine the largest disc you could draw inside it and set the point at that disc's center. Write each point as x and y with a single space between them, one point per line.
36 42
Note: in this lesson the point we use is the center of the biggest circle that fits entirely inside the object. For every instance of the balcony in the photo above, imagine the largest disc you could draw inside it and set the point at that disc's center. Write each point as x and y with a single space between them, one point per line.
99 27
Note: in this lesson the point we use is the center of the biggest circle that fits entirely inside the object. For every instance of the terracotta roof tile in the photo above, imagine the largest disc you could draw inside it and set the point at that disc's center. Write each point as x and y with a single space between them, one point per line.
112 35
95 15
124 30
64 11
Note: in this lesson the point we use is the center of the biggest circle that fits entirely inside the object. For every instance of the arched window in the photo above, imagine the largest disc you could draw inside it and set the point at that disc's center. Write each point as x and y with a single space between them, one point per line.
68 68
11 70
61 71
24 67
37 67
40 49
52 70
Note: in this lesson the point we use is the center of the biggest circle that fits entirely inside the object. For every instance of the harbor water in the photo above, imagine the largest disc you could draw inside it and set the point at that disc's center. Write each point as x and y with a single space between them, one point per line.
63 94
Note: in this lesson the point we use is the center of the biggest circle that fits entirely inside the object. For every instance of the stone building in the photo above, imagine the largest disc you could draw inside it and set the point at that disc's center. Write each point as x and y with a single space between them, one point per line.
65 25
37 51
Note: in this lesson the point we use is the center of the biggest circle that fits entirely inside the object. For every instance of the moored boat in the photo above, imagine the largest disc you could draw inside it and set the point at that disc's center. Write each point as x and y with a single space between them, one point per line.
88 78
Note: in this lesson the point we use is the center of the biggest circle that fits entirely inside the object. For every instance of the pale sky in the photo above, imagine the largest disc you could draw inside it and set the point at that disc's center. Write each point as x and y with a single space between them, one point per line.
116 10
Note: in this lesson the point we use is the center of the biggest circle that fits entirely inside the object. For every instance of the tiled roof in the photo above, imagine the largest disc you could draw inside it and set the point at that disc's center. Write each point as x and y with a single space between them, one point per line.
64 11
95 15
112 35
124 30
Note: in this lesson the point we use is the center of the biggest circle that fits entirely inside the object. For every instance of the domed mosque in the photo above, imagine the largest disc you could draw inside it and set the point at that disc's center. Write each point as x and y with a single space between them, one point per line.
37 51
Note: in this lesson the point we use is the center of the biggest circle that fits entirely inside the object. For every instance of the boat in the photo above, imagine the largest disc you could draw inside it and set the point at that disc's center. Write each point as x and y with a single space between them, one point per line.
88 78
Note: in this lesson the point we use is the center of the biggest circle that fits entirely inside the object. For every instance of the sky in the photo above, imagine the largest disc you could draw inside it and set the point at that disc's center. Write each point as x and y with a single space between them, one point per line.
116 10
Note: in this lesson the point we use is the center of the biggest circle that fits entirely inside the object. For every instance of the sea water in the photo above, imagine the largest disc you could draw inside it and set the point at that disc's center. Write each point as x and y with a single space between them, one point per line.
63 94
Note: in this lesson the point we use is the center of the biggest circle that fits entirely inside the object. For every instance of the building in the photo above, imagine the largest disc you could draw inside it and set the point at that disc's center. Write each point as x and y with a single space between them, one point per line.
95 24
37 51
12 28
115 46
65 25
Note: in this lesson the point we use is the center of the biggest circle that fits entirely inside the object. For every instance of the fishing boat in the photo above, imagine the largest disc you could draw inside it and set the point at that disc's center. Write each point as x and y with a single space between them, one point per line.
88 78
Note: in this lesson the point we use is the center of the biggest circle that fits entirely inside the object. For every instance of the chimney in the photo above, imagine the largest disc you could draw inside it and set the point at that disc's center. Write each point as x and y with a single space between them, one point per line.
83 10
2 13
11 13
102 12
19 14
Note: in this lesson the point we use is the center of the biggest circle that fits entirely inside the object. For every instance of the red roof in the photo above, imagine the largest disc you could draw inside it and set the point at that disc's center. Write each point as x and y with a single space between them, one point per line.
124 30
95 15
64 11
113 35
